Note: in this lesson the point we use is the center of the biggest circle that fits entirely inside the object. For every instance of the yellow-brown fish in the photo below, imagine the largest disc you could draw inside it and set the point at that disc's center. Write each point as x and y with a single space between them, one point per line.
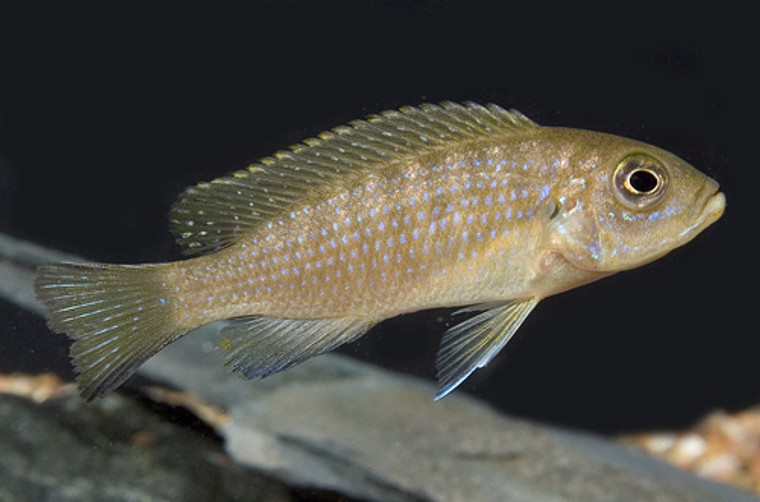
429 206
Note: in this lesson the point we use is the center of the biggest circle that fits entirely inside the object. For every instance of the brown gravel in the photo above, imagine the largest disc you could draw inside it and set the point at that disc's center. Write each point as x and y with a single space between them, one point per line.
722 447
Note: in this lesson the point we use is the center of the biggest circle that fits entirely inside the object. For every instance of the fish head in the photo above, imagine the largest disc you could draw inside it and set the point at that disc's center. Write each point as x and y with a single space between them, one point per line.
637 203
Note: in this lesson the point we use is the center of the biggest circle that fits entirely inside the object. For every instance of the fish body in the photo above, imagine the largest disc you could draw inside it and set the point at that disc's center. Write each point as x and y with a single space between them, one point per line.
435 206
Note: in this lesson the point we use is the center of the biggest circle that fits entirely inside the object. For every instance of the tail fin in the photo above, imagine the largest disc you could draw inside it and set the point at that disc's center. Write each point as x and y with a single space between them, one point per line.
117 315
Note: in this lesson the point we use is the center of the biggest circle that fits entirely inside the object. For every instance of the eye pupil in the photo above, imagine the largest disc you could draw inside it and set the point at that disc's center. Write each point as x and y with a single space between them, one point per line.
643 181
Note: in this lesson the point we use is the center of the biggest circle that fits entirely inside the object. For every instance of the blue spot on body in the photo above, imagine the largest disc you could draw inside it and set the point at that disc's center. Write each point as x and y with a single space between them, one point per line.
544 192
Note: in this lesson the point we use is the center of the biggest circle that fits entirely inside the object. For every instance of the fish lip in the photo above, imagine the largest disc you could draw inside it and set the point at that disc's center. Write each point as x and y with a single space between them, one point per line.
712 208
714 202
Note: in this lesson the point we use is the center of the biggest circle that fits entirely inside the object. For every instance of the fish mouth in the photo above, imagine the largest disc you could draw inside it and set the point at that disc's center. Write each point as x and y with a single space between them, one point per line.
712 208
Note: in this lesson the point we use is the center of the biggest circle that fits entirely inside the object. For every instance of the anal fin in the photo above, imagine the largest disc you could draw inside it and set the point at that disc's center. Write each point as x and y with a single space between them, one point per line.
473 343
259 346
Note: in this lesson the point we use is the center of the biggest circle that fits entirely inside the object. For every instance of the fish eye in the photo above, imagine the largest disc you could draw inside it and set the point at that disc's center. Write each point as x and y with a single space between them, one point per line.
640 181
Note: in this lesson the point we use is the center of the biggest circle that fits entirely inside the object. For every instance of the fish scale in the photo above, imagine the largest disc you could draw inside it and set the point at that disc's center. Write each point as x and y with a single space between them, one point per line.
381 241
434 206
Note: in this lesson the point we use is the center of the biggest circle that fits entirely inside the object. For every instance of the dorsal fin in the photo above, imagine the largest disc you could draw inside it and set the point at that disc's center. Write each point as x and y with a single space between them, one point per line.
210 216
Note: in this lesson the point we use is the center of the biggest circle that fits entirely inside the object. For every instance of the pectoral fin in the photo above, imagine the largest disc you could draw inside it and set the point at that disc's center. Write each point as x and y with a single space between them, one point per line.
473 343
259 346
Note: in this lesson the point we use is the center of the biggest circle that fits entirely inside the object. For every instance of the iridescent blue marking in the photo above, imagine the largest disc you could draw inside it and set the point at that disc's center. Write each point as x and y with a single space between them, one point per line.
544 192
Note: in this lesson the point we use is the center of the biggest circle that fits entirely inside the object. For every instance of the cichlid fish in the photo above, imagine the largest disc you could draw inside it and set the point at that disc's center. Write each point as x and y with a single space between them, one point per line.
429 206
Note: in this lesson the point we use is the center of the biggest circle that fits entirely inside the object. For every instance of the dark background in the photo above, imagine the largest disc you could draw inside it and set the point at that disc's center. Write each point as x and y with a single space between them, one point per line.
109 110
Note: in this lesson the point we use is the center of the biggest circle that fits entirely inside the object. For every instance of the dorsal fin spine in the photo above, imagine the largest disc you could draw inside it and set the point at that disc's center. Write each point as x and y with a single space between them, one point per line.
444 131
382 137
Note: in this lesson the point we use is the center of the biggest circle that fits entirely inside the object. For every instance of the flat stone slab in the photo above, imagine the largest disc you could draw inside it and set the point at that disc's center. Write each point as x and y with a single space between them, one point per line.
335 423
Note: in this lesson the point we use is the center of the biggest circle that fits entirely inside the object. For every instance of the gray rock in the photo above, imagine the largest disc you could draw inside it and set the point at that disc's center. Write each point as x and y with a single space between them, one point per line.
114 450
339 424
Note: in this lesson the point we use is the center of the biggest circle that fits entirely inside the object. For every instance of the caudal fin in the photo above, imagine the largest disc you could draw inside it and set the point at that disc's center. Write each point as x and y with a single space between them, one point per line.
117 315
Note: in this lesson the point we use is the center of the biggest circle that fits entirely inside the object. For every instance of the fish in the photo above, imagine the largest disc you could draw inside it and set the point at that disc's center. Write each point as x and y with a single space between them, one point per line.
436 206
